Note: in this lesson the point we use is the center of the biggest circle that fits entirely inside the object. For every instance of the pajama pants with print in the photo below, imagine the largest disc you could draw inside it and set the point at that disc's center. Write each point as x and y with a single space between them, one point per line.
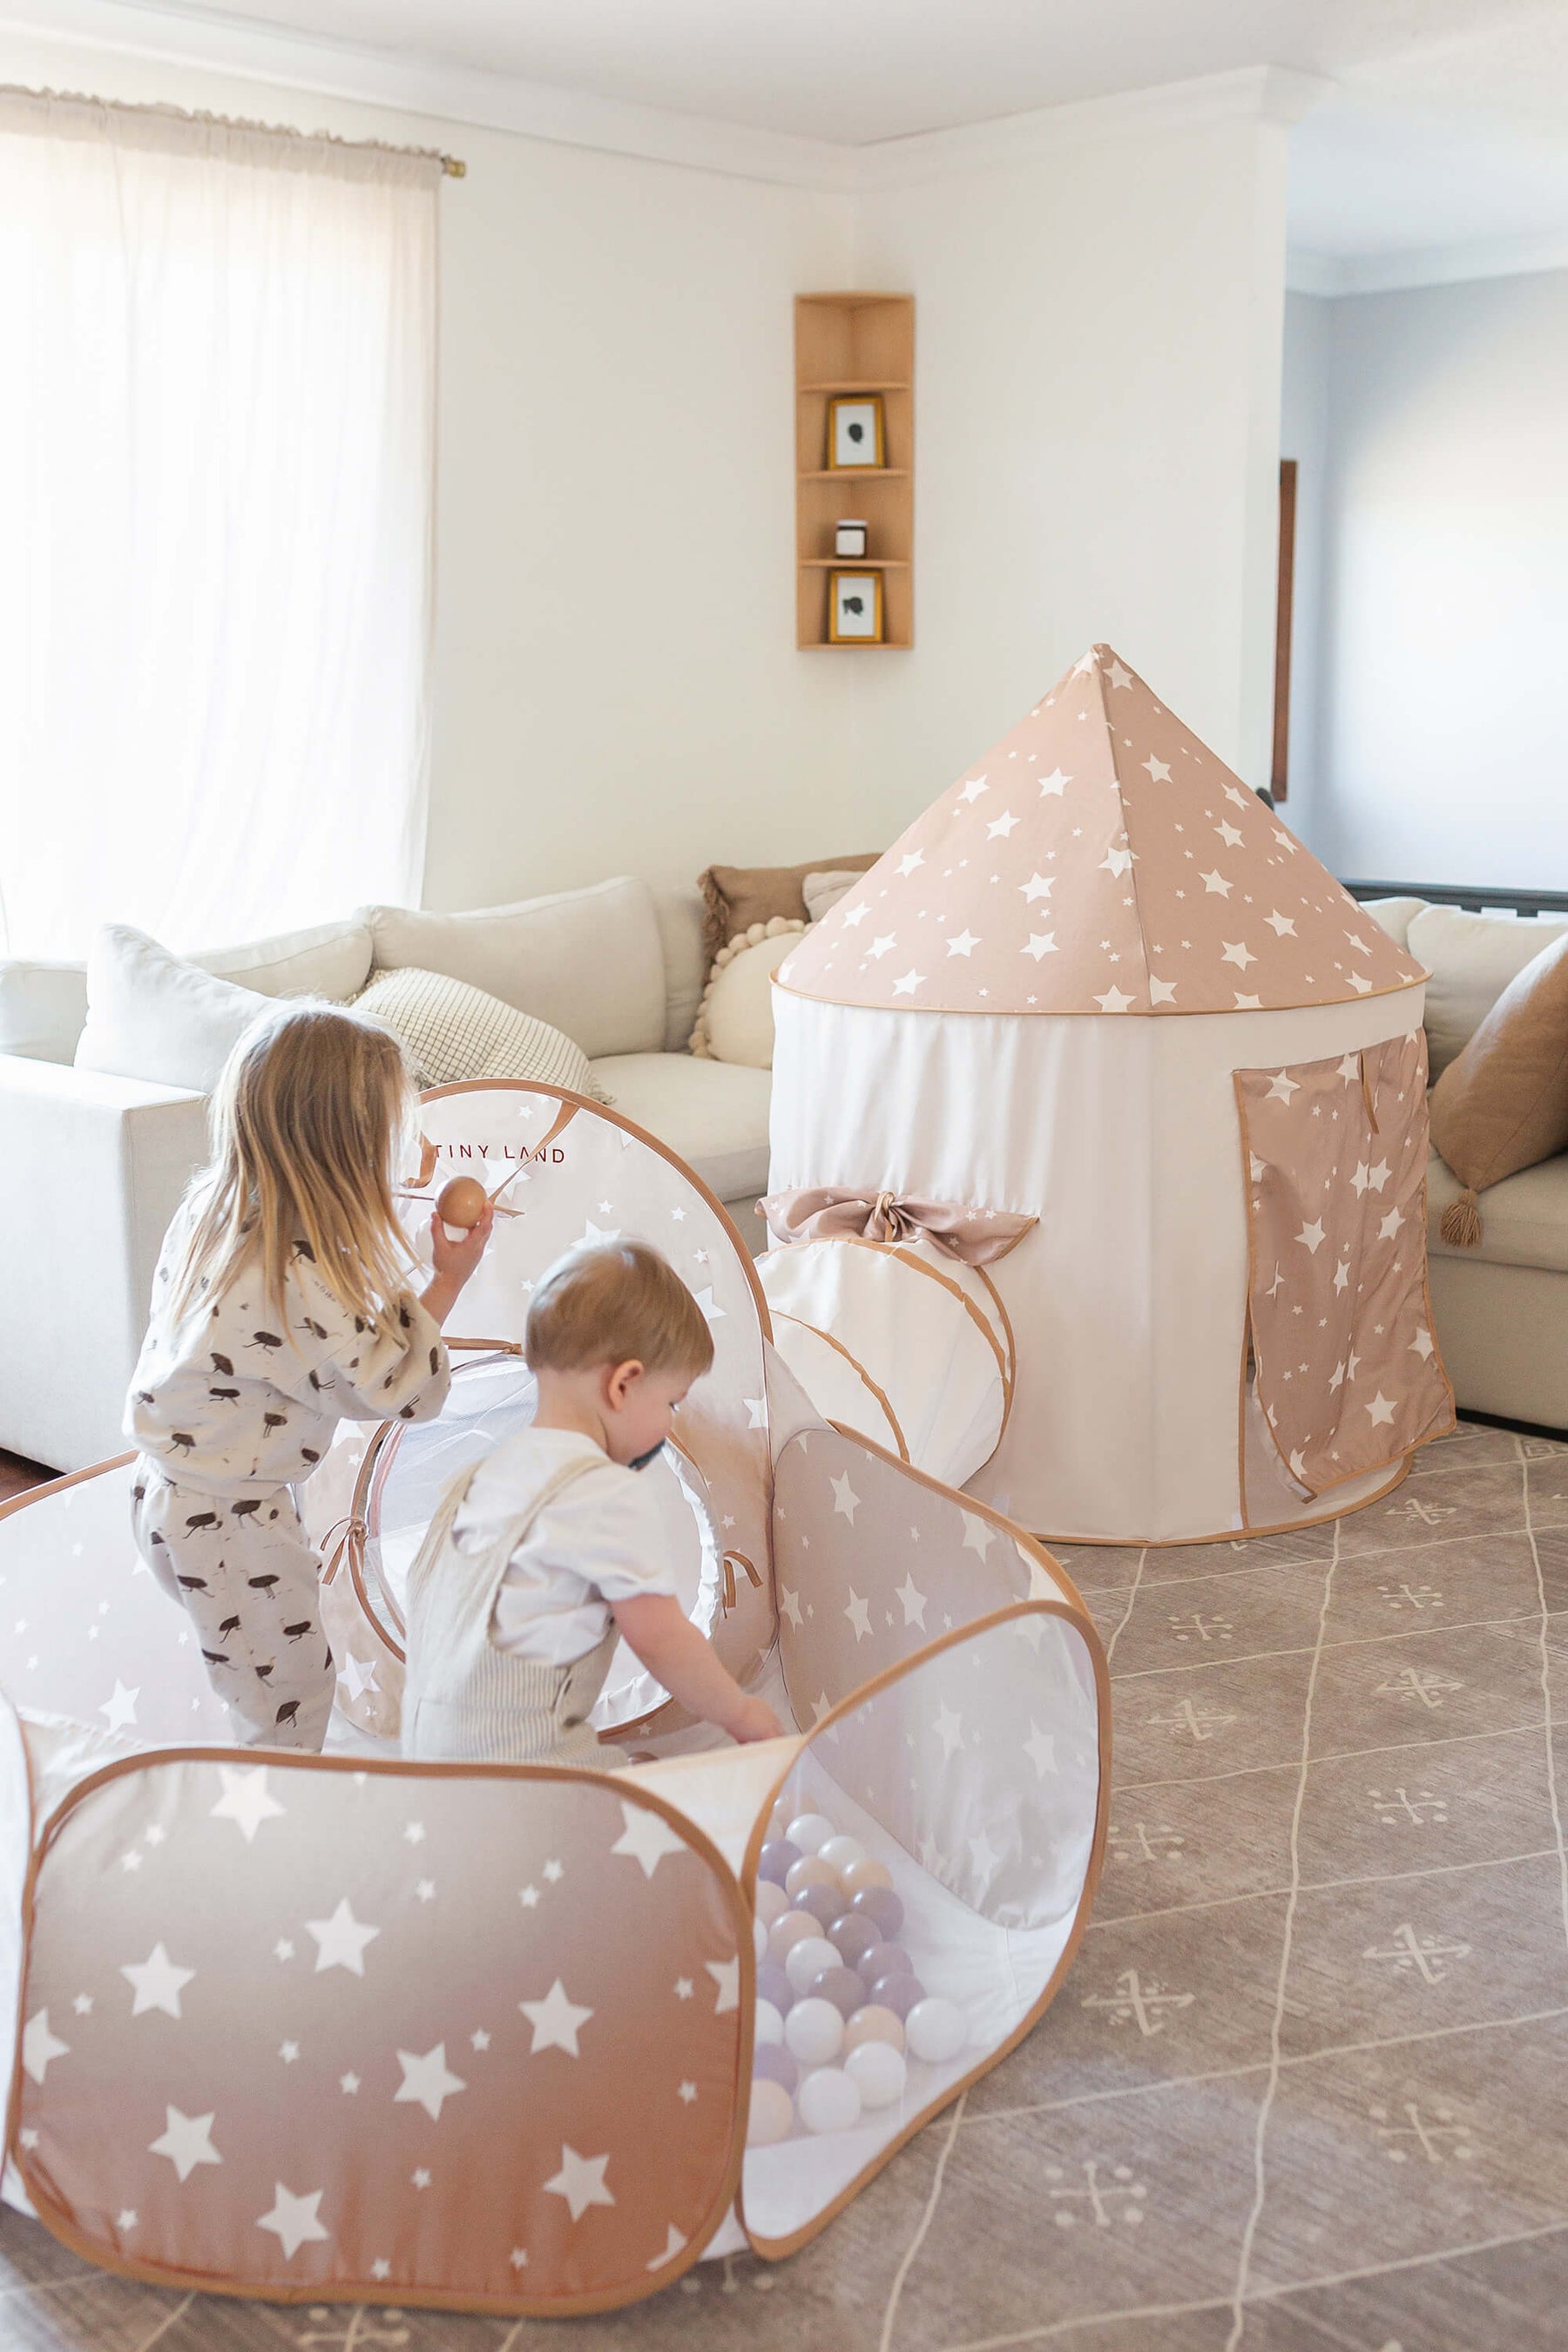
245 1575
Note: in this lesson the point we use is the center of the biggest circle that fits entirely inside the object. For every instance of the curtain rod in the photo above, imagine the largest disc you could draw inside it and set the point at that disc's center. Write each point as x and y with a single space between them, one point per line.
453 166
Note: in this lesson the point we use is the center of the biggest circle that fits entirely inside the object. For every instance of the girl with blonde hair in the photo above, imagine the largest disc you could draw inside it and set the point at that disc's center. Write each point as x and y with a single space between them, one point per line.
281 1305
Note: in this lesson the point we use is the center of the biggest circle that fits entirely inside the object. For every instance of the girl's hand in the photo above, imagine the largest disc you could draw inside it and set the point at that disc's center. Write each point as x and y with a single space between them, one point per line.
753 1719
455 1261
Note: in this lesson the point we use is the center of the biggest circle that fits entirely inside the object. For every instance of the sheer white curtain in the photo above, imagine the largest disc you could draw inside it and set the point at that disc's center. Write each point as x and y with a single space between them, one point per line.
218 379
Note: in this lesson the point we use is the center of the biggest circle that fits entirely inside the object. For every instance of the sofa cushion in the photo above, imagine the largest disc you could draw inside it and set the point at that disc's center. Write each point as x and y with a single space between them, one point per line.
736 1022
42 1008
714 1115
152 1016
588 962
1502 1103
736 896
1526 1219
680 916
1395 915
1472 958
451 1032
332 961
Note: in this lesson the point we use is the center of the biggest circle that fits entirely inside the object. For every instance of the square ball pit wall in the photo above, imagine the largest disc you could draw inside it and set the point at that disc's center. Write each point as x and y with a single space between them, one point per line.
1100 987
488 2037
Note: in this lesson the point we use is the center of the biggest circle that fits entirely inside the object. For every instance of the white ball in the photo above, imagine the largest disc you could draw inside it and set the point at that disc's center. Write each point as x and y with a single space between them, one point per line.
840 1851
935 2031
813 2031
877 2072
829 2101
779 1818
772 1902
805 1961
759 1939
809 1831
770 2026
772 2115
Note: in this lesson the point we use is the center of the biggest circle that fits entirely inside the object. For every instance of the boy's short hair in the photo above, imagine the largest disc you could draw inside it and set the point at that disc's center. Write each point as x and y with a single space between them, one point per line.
610 1303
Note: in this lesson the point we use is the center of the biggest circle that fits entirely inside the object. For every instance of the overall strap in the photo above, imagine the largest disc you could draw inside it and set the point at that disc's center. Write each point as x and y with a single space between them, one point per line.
506 1542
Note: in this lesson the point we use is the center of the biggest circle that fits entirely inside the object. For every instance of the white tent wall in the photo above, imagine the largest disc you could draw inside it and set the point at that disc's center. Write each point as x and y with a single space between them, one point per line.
1128 1299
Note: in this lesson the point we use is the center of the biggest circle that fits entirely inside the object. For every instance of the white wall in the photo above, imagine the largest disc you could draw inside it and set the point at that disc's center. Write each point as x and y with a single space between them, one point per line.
1445 586
1096 425
1304 426
617 681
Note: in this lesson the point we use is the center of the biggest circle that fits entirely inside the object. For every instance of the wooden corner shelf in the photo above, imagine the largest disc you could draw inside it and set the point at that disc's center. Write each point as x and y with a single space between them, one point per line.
847 343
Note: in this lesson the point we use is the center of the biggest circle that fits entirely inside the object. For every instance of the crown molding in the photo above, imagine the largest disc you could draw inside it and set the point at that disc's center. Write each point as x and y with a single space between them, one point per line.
458 94
1335 275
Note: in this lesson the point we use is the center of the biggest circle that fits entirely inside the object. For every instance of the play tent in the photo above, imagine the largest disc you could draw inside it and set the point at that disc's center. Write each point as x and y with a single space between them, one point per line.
1099 985
350 2028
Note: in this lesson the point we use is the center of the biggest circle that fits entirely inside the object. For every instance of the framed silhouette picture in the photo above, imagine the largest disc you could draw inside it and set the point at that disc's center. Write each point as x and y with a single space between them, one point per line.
855 434
854 608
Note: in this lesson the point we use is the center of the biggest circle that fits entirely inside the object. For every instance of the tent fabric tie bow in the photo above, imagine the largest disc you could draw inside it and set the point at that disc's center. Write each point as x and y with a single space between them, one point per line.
977 1236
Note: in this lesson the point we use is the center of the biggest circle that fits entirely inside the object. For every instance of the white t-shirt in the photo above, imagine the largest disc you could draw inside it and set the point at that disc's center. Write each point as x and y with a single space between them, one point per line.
602 1539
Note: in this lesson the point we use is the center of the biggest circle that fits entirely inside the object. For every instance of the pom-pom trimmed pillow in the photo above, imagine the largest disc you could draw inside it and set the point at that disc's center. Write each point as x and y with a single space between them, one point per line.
1503 1104
736 1022
451 1032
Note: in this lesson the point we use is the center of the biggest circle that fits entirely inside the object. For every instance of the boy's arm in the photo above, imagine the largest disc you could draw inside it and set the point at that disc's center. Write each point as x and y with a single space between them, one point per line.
671 1648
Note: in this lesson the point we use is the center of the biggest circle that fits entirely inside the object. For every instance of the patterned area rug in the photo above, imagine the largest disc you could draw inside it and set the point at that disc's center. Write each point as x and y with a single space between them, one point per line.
1307 2085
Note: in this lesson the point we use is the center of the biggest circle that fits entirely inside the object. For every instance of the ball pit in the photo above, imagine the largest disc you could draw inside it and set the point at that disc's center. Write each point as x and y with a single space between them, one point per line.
845 2026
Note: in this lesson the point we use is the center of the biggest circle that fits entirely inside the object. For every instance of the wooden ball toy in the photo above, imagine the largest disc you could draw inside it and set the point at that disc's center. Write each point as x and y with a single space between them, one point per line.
810 1871
813 2032
866 1873
461 1203
877 2072
772 2115
829 2101
874 2023
806 1961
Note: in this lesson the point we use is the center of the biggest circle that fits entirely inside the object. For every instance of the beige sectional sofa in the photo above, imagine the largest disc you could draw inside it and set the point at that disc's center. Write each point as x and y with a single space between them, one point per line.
1501 1308
92 1164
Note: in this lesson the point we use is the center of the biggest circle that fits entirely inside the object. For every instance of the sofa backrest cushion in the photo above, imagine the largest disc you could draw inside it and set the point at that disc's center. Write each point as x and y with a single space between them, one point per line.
1395 915
332 961
1472 958
681 917
42 1008
150 1014
588 962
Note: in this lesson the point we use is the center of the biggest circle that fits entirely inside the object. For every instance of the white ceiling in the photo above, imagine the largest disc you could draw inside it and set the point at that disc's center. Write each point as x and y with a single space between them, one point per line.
1448 133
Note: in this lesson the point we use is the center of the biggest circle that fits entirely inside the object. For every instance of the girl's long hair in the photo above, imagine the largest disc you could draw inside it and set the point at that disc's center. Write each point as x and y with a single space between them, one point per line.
313 1107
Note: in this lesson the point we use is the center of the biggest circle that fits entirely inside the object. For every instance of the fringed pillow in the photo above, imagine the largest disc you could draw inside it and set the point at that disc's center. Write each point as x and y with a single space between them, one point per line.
451 1032
1503 1104
736 1022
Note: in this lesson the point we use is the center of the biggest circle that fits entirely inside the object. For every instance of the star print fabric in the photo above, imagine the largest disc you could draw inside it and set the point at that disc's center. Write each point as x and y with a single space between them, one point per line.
1348 1373
315 2083
237 1400
1100 858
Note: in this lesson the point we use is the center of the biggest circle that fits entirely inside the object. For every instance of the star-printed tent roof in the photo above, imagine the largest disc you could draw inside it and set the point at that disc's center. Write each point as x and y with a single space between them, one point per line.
1098 859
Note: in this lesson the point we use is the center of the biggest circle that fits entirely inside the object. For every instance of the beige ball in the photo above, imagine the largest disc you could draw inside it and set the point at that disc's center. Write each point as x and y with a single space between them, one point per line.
874 2023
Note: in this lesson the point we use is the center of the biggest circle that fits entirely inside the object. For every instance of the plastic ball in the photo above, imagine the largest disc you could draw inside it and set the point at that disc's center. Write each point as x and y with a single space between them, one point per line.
829 2101
789 1931
877 2072
770 2025
771 1901
841 1986
772 2115
770 2061
806 1961
882 1906
823 1903
935 2031
463 1203
776 1860
810 1871
810 1832
901 1993
775 1986
779 1818
839 1853
855 1937
760 1939
813 2032
865 1873
875 2023
885 1960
